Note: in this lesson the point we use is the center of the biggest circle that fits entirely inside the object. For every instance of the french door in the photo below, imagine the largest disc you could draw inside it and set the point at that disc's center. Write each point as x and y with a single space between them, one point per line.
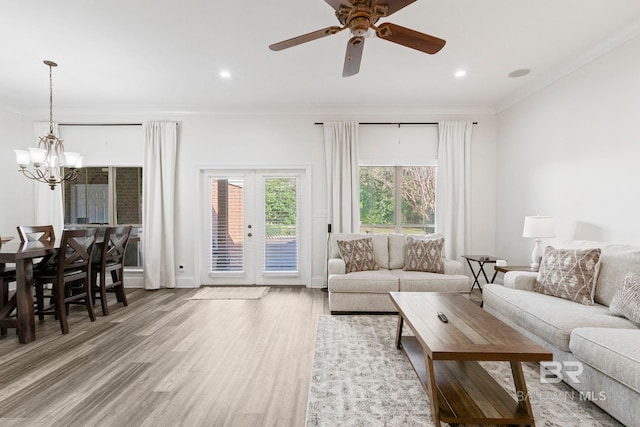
254 231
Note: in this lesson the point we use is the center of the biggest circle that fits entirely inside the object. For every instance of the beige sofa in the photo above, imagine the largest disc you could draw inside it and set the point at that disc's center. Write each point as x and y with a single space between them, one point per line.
606 347
368 291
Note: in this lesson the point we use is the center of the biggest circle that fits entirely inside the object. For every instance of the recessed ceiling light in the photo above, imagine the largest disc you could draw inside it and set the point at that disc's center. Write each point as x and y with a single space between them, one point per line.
519 73
225 74
460 73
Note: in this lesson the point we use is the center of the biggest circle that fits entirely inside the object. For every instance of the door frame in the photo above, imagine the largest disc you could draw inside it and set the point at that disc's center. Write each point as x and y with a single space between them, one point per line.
306 226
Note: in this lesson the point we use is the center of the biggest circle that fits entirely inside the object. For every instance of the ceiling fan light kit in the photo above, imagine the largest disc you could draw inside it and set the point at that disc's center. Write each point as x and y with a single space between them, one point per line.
359 16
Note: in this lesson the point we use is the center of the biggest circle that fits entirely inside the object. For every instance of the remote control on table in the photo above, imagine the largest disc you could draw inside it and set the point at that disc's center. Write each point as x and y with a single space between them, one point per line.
442 317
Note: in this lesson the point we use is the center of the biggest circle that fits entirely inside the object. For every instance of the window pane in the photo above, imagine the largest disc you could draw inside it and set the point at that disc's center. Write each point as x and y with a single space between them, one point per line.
418 195
128 195
427 229
370 229
87 198
133 253
281 225
414 190
376 195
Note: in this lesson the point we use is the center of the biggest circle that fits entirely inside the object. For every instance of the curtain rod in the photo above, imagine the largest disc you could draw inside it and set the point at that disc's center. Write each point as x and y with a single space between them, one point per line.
395 124
102 124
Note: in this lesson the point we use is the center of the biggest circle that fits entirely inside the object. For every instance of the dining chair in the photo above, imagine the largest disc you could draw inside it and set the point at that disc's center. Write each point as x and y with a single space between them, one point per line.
7 275
30 233
70 275
111 260
41 233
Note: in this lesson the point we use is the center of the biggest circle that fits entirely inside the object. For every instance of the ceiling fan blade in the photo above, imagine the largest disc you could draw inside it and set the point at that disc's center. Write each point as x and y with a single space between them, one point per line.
394 5
410 38
353 56
305 38
337 3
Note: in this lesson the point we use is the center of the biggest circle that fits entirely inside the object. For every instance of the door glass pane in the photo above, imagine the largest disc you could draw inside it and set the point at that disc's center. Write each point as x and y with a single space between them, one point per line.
227 224
418 199
281 225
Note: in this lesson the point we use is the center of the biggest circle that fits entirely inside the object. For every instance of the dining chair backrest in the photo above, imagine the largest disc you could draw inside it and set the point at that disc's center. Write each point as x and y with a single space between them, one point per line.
75 251
42 233
115 244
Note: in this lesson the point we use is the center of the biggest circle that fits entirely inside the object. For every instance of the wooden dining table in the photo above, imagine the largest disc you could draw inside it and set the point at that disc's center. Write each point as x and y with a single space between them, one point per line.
23 254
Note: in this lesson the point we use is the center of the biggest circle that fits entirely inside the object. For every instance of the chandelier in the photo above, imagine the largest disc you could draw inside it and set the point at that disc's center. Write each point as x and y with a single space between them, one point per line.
49 158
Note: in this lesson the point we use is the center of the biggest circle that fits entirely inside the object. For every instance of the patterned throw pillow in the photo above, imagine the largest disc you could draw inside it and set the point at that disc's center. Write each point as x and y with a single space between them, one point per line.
569 273
626 303
424 255
358 254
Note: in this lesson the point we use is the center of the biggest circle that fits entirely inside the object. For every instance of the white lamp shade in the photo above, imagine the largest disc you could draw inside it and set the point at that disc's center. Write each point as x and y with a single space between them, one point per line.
38 155
539 227
79 162
71 159
23 157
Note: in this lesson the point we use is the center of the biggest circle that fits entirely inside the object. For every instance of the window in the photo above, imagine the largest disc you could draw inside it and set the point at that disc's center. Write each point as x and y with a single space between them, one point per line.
397 199
102 196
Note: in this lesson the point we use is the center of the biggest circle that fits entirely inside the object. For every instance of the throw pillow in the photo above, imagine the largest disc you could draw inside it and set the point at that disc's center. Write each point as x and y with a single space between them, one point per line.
626 303
358 254
569 273
424 255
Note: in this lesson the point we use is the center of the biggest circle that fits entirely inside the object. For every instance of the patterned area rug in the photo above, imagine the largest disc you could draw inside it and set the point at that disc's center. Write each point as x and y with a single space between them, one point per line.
360 379
231 292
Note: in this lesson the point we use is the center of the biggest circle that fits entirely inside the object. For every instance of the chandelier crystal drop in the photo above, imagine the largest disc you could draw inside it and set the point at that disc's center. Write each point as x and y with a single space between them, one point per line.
46 162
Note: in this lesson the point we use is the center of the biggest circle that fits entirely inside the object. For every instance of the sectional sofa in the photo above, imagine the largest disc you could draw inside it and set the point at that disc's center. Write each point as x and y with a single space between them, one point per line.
602 350
368 291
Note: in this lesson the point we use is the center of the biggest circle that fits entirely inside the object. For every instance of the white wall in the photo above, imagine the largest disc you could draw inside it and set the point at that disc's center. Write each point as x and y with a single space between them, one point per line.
255 141
572 151
16 192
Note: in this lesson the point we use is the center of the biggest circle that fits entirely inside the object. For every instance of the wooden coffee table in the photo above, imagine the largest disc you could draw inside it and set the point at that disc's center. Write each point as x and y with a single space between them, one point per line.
445 357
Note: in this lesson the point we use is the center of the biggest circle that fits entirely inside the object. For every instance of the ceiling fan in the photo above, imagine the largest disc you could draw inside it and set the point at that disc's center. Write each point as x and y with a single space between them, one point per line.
359 16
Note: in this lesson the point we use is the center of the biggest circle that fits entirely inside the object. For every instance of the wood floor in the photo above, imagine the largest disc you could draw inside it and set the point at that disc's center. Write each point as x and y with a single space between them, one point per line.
167 361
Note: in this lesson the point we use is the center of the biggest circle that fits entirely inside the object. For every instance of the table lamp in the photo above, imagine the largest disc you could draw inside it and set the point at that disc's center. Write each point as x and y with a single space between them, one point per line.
538 227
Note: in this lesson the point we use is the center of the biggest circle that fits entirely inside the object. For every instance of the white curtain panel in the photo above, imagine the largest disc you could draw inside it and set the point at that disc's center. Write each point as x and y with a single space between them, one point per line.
453 186
343 185
48 204
158 189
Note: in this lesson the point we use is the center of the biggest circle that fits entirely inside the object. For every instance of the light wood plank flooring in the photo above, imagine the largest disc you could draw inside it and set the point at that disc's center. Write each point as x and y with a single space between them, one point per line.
167 361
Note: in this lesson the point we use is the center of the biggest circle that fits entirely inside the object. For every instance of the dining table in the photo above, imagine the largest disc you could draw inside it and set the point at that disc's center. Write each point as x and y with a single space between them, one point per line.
23 254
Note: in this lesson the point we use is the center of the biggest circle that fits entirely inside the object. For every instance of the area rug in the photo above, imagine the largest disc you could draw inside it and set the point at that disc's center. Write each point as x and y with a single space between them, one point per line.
231 292
359 378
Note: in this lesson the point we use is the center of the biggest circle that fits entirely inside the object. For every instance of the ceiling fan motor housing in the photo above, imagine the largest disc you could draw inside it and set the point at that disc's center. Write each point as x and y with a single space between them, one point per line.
359 25
361 16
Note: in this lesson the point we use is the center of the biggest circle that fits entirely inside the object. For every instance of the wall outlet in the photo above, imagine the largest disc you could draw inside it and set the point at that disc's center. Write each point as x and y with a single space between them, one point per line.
181 268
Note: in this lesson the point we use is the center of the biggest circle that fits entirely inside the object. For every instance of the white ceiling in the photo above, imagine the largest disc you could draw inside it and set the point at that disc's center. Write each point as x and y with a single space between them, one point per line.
123 56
